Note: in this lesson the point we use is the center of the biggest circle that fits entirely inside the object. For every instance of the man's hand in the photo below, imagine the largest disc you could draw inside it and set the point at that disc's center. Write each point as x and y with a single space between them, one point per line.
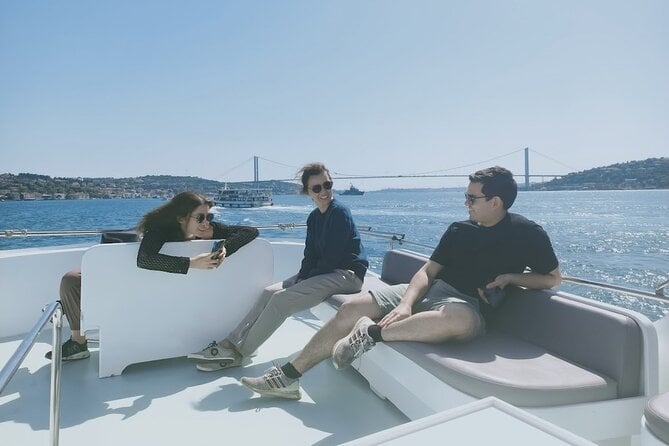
402 311
530 280
500 282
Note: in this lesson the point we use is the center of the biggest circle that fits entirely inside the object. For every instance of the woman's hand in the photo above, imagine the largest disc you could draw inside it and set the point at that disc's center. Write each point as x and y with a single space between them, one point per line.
220 254
400 312
206 260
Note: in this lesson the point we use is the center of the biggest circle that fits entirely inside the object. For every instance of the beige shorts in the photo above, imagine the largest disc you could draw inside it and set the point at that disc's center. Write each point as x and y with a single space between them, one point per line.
439 294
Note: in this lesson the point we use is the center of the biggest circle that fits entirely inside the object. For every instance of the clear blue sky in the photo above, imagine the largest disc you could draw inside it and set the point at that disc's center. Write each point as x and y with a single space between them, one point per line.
129 88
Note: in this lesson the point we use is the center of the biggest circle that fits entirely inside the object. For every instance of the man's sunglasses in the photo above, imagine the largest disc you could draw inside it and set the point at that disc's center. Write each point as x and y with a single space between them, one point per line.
470 199
200 218
319 187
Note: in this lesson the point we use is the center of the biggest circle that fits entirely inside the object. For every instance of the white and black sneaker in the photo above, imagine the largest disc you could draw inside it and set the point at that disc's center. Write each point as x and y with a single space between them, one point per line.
352 346
274 383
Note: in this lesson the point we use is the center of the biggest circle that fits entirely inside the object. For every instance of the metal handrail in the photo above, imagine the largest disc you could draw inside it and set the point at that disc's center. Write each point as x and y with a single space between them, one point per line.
8 233
282 226
658 295
52 312
392 237
609 287
367 230
659 290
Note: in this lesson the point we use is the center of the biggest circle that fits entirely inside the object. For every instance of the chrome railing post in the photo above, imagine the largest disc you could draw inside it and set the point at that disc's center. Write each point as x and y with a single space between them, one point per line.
56 365
16 359
52 312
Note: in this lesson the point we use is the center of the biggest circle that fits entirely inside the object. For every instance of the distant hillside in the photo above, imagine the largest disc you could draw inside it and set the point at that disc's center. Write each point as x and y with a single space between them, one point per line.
29 186
652 173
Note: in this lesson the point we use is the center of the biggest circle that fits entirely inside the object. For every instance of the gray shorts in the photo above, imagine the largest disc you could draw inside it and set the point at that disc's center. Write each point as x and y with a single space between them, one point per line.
439 294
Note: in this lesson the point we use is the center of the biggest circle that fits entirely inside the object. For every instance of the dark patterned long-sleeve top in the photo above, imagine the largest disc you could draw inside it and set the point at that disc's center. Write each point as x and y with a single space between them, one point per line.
149 256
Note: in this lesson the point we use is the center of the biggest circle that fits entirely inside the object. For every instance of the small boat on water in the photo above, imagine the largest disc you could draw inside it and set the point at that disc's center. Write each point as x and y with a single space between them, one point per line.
582 372
244 198
352 190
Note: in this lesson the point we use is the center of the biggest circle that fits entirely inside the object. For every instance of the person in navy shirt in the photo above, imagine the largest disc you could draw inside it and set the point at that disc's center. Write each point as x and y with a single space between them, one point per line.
334 263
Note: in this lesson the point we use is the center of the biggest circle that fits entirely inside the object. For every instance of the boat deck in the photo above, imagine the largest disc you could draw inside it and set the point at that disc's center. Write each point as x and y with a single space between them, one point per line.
170 402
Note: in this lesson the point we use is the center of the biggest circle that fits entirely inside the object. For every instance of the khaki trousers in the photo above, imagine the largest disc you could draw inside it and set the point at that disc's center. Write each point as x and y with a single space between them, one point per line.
283 299
70 298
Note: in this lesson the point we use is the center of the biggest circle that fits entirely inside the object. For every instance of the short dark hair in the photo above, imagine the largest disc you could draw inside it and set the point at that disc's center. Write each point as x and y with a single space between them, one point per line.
309 170
497 182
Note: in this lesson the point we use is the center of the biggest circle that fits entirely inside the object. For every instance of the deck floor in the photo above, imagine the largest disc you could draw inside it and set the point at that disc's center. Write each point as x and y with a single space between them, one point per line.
170 402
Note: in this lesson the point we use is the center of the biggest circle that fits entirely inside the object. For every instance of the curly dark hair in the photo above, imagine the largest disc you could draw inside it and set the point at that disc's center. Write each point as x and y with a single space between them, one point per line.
497 182
164 218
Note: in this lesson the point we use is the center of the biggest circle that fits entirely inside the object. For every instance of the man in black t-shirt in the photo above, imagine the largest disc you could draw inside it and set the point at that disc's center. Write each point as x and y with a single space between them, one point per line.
449 298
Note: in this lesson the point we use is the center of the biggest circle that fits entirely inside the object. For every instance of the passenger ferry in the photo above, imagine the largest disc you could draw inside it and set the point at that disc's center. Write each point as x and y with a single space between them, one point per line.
244 198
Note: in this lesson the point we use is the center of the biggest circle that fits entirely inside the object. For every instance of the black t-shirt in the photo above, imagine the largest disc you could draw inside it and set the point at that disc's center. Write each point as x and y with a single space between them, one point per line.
473 255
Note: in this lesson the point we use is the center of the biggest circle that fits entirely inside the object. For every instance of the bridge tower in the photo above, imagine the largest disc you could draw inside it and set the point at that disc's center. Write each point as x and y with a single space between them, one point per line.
527 168
255 171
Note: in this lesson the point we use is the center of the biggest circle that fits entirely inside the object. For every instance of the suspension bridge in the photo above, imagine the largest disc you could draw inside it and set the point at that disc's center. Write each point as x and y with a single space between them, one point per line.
442 173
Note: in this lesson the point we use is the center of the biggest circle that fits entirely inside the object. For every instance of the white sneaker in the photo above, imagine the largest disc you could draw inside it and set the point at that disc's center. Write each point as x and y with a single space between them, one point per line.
274 383
214 352
213 365
353 345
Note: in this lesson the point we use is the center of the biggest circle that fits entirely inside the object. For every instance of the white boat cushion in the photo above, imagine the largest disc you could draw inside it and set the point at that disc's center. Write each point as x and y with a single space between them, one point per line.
657 416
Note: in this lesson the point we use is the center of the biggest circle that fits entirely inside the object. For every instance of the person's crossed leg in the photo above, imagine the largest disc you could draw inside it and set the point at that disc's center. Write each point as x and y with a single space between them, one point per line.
440 316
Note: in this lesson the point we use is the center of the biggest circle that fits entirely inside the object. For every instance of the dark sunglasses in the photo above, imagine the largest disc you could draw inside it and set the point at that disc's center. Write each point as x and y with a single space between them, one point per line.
470 199
319 187
200 218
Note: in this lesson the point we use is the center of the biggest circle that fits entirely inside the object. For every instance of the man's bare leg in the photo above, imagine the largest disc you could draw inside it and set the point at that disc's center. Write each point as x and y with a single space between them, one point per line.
452 321
320 345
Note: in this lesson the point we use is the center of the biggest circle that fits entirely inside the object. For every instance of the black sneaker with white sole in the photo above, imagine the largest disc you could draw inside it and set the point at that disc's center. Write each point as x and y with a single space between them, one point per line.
72 350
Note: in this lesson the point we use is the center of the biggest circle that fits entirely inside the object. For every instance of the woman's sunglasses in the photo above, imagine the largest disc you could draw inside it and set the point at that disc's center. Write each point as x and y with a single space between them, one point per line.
200 218
319 187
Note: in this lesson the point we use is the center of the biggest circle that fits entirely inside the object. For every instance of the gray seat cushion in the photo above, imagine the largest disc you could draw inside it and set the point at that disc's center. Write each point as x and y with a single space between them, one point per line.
595 338
657 416
400 266
508 368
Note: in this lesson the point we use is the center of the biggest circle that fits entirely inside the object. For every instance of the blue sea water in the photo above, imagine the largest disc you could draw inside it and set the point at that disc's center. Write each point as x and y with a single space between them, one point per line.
619 237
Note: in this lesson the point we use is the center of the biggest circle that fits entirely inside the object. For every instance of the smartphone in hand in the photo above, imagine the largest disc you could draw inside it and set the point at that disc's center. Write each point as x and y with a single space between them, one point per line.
494 295
216 249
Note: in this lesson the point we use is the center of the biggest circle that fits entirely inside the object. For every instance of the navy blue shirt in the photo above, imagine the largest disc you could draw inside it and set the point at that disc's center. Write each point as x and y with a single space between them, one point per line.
473 255
333 242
